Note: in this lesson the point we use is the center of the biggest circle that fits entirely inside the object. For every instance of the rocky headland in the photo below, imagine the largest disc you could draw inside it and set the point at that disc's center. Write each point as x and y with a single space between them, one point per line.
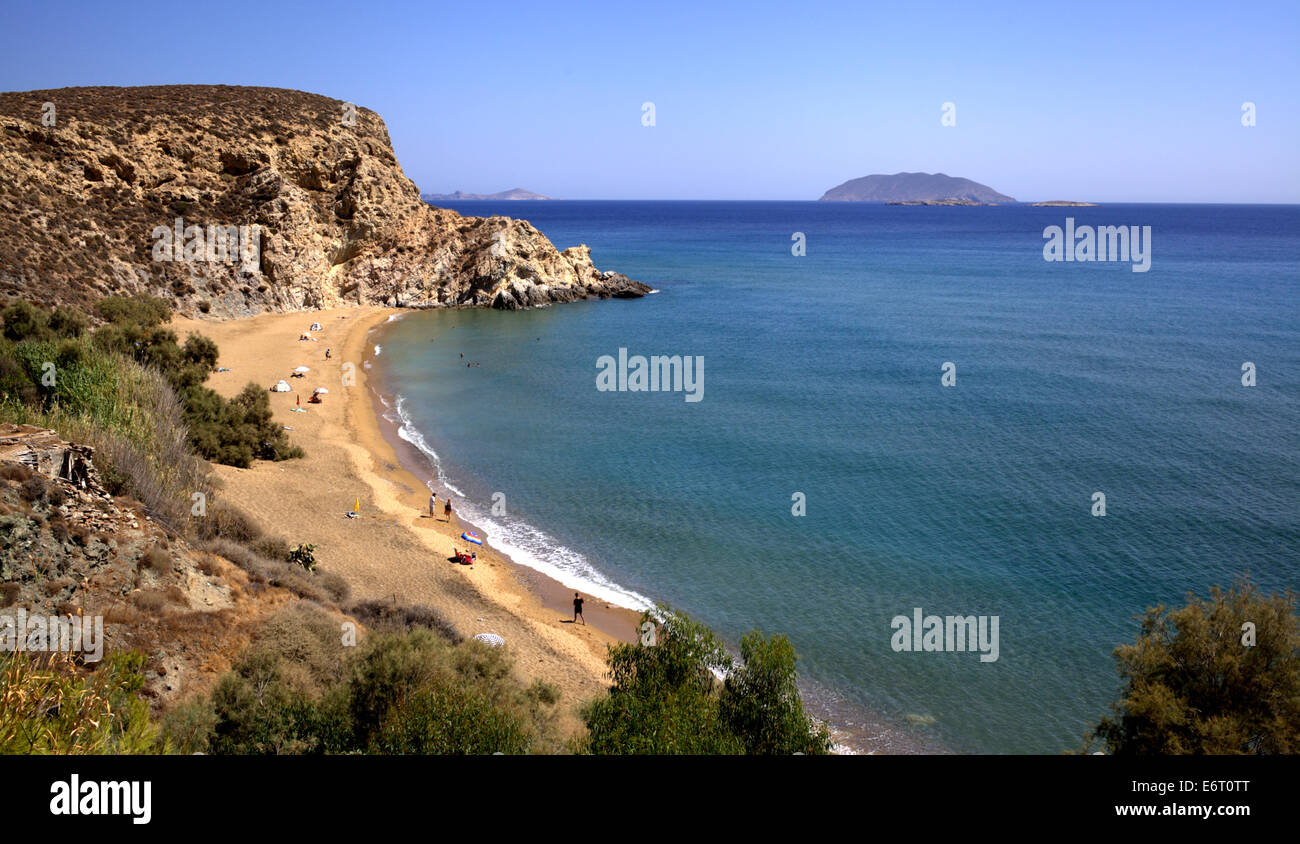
233 201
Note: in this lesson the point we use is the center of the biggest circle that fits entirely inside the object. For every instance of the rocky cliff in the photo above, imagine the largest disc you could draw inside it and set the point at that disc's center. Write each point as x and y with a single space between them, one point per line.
234 201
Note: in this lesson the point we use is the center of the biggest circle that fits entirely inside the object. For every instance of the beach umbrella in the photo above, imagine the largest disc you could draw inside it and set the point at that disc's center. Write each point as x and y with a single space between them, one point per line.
491 639
302 369
321 390
281 387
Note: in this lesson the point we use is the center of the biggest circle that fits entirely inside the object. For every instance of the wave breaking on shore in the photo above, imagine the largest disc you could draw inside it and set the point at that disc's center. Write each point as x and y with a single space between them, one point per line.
524 543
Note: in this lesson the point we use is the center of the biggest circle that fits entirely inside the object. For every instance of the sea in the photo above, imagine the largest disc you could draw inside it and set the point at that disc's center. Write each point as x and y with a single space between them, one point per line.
895 412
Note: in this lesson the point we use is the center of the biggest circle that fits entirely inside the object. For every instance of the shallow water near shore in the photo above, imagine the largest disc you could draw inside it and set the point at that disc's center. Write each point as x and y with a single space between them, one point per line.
822 377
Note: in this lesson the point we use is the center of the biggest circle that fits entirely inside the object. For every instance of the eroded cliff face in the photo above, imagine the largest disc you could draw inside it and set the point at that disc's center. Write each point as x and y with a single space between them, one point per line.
90 178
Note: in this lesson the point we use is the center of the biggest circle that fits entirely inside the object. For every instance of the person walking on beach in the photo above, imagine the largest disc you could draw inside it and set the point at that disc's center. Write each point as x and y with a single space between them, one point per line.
577 608
433 502
446 509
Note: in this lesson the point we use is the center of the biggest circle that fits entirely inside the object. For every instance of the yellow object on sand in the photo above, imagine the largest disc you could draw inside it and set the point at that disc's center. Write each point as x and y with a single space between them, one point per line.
356 508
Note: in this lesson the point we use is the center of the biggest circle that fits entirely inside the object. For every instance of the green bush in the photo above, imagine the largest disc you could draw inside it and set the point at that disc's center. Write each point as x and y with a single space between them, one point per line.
298 691
48 363
760 701
68 322
140 309
259 712
1195 684
22 321
188 726
236 432
666 699
445 719
663 698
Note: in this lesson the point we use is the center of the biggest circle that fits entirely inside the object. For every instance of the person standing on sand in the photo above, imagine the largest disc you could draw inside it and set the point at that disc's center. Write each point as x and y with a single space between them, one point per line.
446 509
433 502
577 608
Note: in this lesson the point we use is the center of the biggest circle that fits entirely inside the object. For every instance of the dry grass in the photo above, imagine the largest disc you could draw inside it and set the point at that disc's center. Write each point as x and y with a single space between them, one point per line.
42 707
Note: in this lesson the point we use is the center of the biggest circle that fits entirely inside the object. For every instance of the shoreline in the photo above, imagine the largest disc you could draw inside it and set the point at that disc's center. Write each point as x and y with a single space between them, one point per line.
393 549
614 620
855 730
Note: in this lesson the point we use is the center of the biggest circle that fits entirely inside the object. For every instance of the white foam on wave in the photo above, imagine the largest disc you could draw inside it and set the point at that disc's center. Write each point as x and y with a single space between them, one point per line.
407 431
379 350
536 549
527 545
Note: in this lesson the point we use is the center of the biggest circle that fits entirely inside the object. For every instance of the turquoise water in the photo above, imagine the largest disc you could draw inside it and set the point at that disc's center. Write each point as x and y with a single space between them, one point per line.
822 376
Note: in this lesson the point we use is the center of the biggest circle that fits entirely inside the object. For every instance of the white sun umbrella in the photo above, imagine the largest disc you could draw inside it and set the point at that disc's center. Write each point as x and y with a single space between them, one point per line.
302 369
321 390
491 639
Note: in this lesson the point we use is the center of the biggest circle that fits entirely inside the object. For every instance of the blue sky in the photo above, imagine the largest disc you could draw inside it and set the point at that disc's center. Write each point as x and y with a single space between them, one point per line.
1097 100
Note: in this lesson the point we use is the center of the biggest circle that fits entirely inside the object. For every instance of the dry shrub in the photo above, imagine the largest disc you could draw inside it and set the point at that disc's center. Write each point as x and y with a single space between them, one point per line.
226 521
59 527
155 559
271 547
387 616
53 587
241 555
35 489
277 573
149 600
15 472
308 636
335 585
122 614
296 580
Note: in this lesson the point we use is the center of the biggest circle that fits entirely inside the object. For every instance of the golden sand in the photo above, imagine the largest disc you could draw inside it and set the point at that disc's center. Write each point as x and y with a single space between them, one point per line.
394 548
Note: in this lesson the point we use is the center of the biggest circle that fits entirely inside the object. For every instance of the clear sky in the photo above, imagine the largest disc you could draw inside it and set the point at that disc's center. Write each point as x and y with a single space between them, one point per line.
1127 101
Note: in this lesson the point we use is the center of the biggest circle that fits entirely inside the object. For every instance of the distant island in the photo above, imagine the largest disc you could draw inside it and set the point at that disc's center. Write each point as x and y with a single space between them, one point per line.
915 188
938 202
1053 203
513 193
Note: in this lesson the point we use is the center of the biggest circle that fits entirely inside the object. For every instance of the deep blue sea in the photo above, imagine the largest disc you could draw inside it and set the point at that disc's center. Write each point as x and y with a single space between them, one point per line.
822 376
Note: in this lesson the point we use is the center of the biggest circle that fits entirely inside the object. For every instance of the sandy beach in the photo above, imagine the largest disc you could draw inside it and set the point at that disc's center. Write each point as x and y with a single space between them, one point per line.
394 549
